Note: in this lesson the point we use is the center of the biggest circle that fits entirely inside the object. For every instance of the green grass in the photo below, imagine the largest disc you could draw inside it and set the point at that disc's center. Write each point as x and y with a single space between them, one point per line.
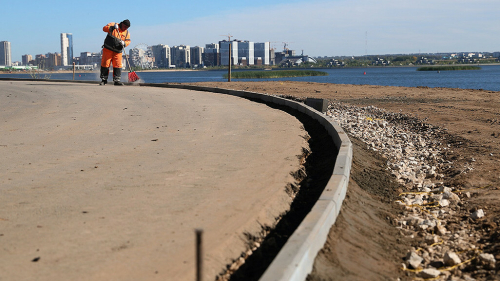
274 74
450 67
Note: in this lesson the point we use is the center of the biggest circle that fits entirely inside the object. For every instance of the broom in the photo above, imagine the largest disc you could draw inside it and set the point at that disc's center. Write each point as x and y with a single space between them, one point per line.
132 76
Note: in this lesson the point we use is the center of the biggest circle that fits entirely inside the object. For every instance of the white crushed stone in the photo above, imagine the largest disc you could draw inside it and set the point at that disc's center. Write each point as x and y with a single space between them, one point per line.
415 156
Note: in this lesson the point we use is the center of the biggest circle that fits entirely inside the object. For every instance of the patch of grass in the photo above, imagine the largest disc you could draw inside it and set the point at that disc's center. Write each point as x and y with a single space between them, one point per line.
274 74
450 67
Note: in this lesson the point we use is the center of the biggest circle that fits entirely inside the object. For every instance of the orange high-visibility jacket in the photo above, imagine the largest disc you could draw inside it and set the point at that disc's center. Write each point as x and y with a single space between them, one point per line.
112 41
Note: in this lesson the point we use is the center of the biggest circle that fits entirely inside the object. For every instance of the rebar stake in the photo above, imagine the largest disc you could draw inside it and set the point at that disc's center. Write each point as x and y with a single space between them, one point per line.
199 254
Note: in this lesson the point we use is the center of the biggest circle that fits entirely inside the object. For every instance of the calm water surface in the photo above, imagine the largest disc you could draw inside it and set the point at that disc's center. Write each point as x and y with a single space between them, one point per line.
487 78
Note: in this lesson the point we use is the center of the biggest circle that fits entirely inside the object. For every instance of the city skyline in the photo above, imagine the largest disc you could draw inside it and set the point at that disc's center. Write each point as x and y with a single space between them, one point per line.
320 28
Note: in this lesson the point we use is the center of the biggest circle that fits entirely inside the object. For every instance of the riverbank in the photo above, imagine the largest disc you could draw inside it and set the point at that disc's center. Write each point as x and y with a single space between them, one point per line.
244 68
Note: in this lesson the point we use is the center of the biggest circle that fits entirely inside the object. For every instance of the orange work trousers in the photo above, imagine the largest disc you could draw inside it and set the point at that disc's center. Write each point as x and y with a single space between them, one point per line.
109 57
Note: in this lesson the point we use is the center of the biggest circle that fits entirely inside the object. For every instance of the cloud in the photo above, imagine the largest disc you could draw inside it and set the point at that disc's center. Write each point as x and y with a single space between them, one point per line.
334 27
344 27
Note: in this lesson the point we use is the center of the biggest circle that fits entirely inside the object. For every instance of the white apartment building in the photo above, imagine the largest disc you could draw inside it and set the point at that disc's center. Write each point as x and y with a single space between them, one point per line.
181 55
262 53
162 55
224 52
26 59
66 49
246 53
197 56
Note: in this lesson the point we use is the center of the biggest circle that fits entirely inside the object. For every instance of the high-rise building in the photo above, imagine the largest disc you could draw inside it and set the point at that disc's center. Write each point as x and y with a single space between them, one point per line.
197 55
224 52
40 61
5 54
88 58
52 60
262 53
181 56
246 53
26 59
272 57
66 49
211 55
161 53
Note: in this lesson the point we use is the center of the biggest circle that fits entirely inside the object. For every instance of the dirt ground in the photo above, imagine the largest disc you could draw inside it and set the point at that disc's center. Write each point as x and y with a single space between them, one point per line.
365 244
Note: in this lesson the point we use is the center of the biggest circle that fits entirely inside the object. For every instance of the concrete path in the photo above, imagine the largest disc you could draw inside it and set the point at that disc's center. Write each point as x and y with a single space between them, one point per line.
109 183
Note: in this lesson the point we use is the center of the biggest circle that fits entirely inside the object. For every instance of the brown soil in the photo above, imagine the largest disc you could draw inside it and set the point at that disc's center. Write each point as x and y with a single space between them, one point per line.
364 244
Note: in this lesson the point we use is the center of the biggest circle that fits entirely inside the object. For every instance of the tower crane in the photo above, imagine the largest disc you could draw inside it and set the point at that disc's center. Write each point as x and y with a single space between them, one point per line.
228 36
285 44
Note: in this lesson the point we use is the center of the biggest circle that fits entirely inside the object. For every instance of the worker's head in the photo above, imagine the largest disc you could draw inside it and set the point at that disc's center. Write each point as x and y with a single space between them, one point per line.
124 25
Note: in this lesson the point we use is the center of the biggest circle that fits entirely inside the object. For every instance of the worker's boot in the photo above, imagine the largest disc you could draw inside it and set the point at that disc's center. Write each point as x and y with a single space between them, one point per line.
117 75
104 75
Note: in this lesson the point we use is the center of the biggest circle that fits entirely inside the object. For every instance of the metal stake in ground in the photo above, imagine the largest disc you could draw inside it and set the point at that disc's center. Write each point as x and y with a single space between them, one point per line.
199 255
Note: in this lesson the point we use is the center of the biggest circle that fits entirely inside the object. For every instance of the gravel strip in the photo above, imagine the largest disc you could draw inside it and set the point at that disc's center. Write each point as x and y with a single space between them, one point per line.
447 245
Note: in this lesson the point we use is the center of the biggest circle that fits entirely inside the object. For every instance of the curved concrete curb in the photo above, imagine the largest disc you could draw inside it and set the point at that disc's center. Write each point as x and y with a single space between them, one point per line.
296 258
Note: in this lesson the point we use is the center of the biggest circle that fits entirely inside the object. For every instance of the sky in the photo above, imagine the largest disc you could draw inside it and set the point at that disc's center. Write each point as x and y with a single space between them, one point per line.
314 27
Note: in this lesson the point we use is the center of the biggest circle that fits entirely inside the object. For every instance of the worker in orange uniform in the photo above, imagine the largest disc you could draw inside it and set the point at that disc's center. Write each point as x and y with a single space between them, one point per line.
117 39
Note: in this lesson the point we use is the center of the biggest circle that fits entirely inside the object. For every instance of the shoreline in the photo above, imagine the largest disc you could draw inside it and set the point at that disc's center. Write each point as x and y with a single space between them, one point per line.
249 69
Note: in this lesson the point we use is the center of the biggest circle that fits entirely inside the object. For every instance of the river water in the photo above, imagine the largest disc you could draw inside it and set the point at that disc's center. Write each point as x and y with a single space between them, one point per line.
487 78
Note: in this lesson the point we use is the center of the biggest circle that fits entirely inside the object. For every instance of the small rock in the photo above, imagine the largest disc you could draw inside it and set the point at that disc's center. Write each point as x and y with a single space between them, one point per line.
451 258
444 189
441 230
477 214
413 259
428 224
430 273
452 197
487 260
233 267
431 239
487 257
444 202
468 278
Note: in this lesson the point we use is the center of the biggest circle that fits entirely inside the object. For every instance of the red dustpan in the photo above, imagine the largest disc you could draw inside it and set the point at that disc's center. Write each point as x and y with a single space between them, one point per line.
132 76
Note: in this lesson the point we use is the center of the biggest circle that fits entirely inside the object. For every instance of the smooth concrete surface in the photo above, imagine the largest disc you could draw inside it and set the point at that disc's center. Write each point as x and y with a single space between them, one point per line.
110 183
